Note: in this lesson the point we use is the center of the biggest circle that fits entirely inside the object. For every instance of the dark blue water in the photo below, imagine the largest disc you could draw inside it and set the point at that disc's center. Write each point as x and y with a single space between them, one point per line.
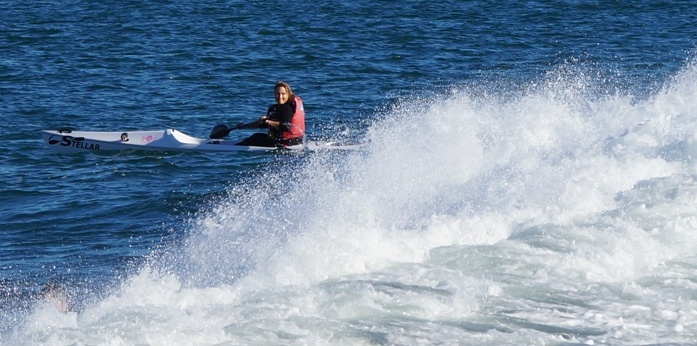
482 116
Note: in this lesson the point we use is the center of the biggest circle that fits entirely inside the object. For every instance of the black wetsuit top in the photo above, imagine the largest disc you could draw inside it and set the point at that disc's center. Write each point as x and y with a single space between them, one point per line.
284 115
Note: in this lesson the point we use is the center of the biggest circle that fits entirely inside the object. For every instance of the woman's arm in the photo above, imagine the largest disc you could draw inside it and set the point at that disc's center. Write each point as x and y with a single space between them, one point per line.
283 118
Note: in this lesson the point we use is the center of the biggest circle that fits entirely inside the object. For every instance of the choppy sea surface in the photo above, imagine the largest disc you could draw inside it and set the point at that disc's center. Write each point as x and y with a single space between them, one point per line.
527 175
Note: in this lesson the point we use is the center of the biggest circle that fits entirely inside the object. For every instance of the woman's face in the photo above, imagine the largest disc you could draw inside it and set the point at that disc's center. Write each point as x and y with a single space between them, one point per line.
281 95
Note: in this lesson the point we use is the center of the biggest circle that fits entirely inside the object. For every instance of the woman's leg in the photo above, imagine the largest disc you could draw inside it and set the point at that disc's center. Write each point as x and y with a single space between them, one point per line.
258 140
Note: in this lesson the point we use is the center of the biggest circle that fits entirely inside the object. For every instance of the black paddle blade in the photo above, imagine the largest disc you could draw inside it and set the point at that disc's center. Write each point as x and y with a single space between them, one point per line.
219 131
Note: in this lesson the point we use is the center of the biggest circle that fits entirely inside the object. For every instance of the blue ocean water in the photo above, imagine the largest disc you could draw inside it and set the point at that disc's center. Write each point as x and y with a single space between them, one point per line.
528 174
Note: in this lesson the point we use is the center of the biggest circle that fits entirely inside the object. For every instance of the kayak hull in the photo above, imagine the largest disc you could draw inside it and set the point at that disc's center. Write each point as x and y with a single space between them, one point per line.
66 141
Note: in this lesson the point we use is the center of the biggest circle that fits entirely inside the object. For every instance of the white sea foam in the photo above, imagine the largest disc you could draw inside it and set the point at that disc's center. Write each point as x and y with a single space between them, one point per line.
552 214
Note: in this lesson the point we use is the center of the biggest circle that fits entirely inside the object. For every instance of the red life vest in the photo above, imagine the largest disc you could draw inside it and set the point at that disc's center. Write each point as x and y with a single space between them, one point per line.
297 127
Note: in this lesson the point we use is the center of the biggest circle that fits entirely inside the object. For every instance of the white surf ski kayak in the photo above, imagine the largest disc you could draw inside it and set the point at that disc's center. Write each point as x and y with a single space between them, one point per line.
67 141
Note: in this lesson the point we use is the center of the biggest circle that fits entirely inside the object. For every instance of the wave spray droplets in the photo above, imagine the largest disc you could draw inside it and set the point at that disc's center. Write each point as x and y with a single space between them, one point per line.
549 214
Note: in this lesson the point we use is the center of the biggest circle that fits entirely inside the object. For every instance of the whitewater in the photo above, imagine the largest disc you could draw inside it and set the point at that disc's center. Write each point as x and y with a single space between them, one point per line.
546 213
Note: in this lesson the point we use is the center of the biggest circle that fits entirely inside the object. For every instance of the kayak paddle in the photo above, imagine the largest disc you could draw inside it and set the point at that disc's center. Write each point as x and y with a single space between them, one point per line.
221 130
